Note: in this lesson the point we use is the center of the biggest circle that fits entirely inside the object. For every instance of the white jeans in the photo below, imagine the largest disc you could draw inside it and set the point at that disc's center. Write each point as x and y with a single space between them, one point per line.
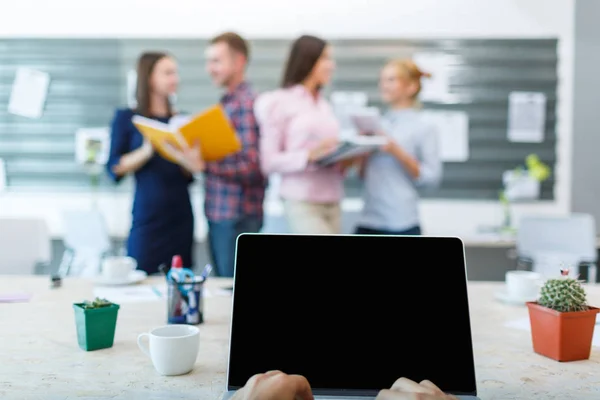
313 218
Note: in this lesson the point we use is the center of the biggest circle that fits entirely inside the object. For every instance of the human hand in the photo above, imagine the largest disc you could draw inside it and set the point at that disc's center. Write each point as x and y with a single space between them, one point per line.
357 161
188 157
147 148
390 144
137 157
324 147
275 385
405 389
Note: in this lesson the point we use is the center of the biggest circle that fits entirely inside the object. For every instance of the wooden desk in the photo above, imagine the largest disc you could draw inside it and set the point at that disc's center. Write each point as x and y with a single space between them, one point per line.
39 357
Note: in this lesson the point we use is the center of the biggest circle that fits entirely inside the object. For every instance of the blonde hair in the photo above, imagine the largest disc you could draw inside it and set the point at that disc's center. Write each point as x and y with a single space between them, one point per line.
407 69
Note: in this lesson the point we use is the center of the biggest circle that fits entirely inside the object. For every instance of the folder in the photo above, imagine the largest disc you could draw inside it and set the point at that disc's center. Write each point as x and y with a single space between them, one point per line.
351 148
211 129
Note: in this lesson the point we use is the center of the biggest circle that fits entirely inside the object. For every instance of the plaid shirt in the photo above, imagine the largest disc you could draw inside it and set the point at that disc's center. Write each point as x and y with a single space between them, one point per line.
235 186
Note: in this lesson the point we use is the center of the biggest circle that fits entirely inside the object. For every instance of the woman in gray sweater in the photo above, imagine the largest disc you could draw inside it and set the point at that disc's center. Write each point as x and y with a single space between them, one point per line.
410 159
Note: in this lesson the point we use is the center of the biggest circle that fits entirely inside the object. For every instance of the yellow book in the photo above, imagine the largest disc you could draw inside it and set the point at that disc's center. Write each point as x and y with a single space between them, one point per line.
211 129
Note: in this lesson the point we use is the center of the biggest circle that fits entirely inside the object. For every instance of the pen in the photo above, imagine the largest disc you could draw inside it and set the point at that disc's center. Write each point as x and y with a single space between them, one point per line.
205 272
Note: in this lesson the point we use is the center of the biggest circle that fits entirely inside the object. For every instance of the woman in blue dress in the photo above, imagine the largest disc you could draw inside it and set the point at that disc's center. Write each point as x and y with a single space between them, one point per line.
162 216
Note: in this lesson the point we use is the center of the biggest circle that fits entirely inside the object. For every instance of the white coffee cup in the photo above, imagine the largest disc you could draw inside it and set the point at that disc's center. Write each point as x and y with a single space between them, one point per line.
173 348
118 267
523 285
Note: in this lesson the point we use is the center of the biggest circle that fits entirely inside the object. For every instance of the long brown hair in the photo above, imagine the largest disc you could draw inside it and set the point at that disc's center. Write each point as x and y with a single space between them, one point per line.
304 54
145 67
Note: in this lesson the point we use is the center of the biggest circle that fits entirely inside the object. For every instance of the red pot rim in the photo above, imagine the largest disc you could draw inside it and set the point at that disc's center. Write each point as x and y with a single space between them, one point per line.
590 310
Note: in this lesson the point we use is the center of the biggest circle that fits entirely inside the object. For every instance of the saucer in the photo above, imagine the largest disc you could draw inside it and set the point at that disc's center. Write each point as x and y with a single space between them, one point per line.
134 277
504 297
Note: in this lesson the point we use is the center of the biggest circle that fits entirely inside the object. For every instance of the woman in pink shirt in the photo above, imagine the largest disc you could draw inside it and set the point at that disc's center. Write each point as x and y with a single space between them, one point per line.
298 126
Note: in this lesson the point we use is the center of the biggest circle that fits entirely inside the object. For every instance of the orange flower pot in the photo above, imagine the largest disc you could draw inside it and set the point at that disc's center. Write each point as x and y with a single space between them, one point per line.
562 336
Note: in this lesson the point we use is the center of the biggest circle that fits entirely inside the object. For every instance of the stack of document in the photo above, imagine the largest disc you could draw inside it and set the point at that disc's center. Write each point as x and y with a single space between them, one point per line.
352 147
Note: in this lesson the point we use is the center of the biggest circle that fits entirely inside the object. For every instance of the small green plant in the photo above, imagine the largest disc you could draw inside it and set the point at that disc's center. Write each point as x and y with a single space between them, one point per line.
97 303
537 169
563 294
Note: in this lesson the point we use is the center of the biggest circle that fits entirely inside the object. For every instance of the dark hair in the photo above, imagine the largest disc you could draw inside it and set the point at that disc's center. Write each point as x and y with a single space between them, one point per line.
235 43
304 54
145 67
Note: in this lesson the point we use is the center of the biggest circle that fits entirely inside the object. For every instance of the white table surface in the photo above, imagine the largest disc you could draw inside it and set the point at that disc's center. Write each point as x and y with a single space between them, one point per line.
40 359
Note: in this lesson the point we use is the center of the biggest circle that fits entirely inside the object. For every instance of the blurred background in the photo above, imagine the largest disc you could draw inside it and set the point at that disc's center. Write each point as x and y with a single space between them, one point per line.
482 55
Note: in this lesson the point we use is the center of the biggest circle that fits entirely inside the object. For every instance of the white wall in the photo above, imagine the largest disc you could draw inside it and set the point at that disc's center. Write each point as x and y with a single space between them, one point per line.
271 18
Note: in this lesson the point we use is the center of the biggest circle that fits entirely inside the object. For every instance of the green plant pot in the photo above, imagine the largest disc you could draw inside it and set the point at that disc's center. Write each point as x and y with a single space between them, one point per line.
95 327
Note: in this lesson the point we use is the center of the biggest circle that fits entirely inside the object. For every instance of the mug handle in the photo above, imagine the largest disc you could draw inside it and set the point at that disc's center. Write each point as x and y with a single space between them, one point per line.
142 346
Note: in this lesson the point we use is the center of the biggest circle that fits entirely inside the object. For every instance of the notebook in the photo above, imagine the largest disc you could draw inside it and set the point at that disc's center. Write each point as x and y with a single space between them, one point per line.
352 313
211 128
352 147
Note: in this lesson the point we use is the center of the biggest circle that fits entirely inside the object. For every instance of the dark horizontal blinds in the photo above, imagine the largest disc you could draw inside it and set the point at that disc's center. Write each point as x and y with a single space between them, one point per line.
89 82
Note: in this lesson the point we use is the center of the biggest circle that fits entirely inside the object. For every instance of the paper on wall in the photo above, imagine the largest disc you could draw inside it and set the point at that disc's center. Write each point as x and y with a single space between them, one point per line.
28 94
453 131
92 145
343 104
358 99
2 175
436 87
131 89
526 117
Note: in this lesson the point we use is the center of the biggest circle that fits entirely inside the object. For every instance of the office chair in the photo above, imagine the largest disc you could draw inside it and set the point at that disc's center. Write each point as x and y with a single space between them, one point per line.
86 241
25 246
550 243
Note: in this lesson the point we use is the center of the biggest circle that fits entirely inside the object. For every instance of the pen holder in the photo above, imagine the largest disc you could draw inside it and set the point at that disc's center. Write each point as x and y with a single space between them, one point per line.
185 303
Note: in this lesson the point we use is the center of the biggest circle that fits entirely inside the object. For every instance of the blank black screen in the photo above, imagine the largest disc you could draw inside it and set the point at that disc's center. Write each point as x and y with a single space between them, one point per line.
352 312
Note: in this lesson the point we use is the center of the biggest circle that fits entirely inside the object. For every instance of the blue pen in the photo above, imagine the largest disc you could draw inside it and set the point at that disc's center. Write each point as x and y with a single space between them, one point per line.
205 272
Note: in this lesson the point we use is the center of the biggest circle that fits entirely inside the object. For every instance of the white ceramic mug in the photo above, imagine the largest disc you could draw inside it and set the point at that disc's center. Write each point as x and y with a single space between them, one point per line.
173 348
118 267
523 284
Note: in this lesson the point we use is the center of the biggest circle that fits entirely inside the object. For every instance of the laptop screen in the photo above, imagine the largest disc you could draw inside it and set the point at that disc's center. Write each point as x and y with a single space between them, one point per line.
352 313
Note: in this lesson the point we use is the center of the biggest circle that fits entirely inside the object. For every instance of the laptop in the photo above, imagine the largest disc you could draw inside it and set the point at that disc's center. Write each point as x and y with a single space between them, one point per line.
352 313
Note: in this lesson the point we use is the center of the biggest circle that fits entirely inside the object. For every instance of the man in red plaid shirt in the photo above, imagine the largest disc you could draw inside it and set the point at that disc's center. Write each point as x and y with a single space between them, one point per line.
234 188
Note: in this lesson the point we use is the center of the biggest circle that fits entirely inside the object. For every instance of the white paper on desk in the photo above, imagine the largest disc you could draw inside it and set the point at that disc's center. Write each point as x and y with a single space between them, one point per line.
526 117
2 175
453 133
436 87
92 145
131 294
29 92
524 325
145 293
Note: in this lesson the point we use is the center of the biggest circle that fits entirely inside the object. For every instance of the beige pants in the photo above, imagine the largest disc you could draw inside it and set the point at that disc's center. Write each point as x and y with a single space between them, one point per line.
312 218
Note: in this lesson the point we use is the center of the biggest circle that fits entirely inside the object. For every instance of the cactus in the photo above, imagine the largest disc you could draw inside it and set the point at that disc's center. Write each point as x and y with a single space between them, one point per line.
563 294
97 303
